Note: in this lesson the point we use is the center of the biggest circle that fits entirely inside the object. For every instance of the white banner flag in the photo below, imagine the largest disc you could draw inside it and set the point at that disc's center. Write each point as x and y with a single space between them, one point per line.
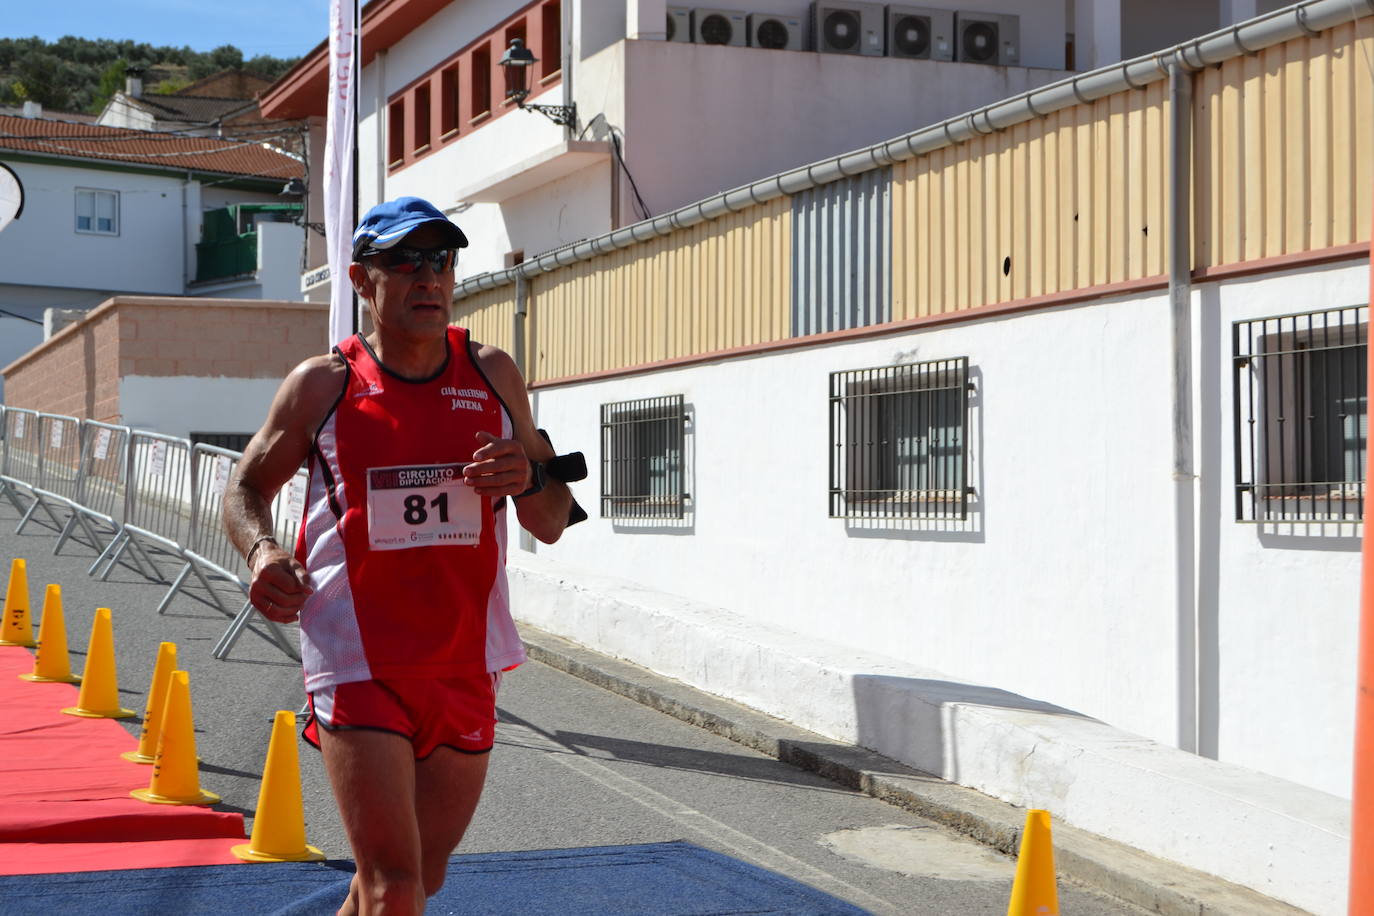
338 166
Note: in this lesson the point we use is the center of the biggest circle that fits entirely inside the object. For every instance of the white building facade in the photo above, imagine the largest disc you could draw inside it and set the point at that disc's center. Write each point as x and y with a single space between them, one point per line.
103 218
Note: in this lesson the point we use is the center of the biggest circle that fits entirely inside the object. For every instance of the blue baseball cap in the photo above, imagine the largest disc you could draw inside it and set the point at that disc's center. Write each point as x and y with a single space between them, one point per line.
387 223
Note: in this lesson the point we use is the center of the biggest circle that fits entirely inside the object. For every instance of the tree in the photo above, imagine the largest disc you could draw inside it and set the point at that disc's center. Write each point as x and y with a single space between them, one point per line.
111 81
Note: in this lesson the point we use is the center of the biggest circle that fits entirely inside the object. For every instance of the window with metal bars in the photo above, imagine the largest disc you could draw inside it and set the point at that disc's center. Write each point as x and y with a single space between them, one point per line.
1301 419
642 467
898 443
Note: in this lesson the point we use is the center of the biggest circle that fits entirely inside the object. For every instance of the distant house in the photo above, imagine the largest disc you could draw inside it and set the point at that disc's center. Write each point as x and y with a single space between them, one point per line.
111 211
207 108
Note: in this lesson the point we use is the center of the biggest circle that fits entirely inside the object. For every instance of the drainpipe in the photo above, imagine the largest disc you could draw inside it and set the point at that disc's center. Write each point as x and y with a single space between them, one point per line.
1181 391
518 323
526 539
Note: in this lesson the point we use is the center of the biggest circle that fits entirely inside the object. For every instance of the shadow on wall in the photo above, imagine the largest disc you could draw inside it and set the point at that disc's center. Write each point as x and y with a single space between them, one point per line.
909 719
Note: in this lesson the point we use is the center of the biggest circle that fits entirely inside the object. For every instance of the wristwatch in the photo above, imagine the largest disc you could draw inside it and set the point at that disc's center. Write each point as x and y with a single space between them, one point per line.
538 478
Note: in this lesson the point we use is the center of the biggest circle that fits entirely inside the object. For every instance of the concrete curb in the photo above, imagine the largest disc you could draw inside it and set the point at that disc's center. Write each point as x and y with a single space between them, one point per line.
1114 868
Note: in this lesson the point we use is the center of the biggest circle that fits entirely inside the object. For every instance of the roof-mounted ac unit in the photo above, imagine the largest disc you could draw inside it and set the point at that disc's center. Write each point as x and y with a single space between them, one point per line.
920 32
848 28
679 23
988 38
719 27
782 33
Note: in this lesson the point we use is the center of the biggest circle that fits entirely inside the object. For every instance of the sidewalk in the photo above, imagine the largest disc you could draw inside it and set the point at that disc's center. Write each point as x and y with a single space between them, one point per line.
1119 870
1263 825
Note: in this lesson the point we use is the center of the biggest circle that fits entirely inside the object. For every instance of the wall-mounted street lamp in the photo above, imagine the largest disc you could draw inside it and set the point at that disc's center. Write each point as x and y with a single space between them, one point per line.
517 62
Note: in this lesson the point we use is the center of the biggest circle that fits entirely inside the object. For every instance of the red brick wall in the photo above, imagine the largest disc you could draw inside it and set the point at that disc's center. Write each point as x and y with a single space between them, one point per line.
77 372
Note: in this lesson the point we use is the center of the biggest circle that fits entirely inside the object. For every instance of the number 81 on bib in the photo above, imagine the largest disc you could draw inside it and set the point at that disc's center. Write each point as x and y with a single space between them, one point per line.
423 505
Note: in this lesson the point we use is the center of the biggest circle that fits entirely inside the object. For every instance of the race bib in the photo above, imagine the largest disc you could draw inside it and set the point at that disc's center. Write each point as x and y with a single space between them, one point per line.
421 506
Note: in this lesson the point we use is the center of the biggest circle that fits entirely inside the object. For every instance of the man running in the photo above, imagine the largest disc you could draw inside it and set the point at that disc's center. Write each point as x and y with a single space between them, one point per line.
415 435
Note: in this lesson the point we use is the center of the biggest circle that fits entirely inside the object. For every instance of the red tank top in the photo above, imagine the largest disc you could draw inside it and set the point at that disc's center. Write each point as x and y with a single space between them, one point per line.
408 564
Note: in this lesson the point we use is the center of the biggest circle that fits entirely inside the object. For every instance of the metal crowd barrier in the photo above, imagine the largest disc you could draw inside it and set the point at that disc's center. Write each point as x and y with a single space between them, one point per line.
100 493
209 554
151 493
288 508
22 455
59 467
157 502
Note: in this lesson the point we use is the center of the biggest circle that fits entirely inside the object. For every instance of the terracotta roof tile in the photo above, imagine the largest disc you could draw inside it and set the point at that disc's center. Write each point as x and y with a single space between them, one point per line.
225 155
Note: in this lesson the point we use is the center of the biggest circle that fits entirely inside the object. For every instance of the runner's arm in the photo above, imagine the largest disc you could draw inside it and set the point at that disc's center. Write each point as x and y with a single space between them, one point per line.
543 514
274 454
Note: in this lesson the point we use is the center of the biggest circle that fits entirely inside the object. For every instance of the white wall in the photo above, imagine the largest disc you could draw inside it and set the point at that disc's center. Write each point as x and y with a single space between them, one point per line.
1059 587
178 406
144 257
701 119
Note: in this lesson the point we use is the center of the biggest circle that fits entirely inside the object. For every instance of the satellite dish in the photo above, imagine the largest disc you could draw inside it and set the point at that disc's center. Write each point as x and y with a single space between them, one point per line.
11 196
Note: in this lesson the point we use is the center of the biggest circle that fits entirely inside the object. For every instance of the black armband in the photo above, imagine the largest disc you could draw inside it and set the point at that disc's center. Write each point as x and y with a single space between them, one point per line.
567 468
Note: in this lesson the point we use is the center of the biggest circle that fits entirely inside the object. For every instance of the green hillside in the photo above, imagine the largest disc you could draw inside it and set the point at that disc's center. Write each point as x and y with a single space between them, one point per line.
80 74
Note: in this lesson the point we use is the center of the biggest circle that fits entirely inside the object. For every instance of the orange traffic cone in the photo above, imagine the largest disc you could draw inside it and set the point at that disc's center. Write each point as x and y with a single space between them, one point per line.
1033 892
99 698
157 705
279 825
16 630
52 663
176 778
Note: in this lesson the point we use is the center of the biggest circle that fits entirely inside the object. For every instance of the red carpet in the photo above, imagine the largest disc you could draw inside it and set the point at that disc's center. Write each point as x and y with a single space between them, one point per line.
64 791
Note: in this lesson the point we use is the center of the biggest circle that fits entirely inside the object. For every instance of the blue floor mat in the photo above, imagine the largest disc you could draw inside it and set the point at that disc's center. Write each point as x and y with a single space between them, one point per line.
660 879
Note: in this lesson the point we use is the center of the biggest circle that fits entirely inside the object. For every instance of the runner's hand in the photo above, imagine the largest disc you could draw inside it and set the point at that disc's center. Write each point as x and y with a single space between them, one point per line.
280 584
499 467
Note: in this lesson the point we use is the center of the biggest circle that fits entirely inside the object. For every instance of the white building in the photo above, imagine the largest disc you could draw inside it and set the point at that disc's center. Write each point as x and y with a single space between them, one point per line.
1076 562
661 123
110 211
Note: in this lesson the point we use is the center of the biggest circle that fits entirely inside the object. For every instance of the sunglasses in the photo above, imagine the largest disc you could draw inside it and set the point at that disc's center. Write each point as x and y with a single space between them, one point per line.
407 260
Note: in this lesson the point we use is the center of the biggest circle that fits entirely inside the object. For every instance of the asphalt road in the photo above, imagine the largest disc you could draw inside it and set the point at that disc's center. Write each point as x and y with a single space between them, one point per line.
574 765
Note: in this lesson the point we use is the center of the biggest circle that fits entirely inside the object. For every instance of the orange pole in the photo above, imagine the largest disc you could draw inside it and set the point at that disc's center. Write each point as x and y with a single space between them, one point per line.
1362 798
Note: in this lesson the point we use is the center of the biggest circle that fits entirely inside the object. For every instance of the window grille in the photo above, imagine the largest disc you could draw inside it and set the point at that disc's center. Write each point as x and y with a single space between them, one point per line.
1301 421
898 442
642 458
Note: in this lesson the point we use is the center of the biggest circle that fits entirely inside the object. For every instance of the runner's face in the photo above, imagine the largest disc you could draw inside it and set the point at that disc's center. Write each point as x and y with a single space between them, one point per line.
412 304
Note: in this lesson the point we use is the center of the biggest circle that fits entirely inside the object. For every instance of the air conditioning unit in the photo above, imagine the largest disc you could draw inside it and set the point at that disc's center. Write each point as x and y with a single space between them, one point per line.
680 23
920 32
781 33
719 27
987 38
848 28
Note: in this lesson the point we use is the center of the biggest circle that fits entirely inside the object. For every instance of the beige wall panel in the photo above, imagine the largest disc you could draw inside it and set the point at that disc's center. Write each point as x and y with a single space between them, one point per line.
1283 142
716 285
489 316
1320 138
1295 180
1156 176
1031 256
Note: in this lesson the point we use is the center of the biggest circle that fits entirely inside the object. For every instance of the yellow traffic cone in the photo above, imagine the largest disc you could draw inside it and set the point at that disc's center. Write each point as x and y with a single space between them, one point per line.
99 698
157 705
1033 892
279 825
52 663
176 778
16 630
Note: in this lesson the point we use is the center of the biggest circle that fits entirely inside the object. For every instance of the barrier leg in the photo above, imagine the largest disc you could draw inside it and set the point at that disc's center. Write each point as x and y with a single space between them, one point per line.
66 532
231 635
28 515
119 545
214 595
176 587
157 575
